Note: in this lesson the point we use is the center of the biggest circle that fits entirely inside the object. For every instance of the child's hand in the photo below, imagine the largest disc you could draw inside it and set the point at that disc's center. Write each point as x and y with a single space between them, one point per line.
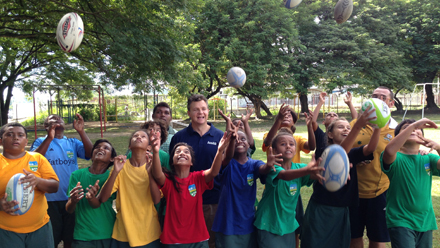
284 109
348 98
119 162
8 206
273 160
154 141
224 142
424 123
314 169
364 119
322 97
31 179
76 193
92 191
309 118
229 126
78 124
245 118
428 143
51 130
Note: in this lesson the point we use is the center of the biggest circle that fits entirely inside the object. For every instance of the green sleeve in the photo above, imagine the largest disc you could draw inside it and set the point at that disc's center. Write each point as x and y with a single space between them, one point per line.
433 159
164 159
272 176
306 180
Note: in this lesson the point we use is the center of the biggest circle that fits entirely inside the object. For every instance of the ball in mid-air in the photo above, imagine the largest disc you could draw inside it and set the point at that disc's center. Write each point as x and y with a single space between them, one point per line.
343 10
236 77
290 4
70 32
337 167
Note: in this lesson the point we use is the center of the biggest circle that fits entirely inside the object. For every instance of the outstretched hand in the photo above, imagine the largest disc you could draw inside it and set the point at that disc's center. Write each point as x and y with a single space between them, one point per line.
92 191
364 117
309 118
322 97
245 118
78 124
119 162
77 193
284 110
424 123
274 159
428 143
314 170
224 142
348 98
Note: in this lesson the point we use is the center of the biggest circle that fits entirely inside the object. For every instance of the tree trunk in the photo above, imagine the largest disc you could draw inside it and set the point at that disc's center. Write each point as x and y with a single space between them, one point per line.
258 105
397 103
430 100
4 104
304 103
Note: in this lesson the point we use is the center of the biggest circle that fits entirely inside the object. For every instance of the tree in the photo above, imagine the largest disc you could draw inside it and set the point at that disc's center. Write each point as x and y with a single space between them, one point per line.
125 42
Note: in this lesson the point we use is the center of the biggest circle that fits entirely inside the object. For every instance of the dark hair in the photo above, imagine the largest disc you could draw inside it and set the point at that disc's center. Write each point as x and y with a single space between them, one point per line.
196 98
386 88
171 174
163 130
331 126
294 118
113 152
163 104
12 124
132 134
399 127
284 131
46 121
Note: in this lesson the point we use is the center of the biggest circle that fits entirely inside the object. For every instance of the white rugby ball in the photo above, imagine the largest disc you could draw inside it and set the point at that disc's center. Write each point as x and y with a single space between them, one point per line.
343 10
236 77
290 4
382 111
337 167
16 191
70 32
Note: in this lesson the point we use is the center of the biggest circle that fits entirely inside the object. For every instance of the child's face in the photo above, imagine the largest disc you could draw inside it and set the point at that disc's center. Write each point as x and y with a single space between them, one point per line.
14 140
329 117
102 152
340 131
414 137
242 145
156 129
139 140
182 156
239 123
285 146
288 120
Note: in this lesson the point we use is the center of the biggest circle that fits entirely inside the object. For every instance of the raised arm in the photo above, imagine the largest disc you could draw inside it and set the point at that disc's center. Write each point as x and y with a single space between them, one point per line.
230 128
42 148
106 190
217 163
432 145
274 129
311 142
318 109
311 169
348 142
272 160
79 127
348 100
247 128
156 169
374 140
389 155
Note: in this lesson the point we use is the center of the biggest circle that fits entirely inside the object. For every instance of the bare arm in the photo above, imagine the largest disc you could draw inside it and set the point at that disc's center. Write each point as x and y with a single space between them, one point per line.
432 145
348 101
79 127
45 185
155 192
247 128
311 142
217 163
75 195
311 169
374 140
274 129
156 169
42 149
92 191
317 110
106 190
272 160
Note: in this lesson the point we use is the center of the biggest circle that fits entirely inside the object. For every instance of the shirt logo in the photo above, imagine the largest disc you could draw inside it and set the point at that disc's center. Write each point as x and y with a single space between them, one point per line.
293 188
250 179
192 190
33 165
69 154
388 137
212 143
428 169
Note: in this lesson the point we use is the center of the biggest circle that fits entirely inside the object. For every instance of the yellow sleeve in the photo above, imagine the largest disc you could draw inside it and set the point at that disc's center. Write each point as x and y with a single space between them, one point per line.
300 142
264 147
352 122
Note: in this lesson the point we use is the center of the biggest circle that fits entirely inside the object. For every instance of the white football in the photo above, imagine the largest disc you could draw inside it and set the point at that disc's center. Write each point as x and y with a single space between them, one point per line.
343 10
290 4
236 77
382 112
337 167
16 191
70 32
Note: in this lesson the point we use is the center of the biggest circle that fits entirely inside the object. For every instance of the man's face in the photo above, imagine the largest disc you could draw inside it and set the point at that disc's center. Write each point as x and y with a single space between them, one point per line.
384 95
162 113
198 112
54 119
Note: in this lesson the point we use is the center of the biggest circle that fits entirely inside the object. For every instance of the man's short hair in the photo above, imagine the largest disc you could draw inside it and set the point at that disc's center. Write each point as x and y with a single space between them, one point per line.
163 104
12 124
386 88
46 121
196 98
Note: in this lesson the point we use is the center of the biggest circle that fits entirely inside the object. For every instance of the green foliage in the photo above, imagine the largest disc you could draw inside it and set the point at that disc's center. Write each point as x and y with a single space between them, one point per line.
30 121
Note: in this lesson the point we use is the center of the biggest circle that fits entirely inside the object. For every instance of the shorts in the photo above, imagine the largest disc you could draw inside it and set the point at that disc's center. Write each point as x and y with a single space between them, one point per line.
63 223
209 211
119 244
203 244
325 225
371 214
41 238
102 243
402 237
267 239
235 241
299 215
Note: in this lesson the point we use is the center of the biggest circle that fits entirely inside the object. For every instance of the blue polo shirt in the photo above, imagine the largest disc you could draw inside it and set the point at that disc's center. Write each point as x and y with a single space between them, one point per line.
205 148
62 154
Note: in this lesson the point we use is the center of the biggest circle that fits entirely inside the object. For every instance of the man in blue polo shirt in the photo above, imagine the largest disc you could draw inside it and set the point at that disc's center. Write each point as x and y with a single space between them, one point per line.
203 137
62 154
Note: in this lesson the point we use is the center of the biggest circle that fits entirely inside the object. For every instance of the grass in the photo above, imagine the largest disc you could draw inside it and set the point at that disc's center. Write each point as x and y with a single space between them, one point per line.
118 136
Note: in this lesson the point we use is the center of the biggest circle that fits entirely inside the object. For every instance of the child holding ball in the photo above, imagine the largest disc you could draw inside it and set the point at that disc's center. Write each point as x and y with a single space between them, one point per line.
275 216
410 216
98 221
184 224
137 223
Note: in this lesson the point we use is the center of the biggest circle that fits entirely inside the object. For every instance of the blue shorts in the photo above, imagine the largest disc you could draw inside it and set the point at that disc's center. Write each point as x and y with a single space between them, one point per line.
370 214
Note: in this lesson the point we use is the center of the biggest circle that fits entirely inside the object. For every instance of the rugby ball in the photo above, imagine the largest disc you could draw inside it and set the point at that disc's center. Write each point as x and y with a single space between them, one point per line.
290 4
236 77
343 10
382 111
337 167
16 191
70 32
